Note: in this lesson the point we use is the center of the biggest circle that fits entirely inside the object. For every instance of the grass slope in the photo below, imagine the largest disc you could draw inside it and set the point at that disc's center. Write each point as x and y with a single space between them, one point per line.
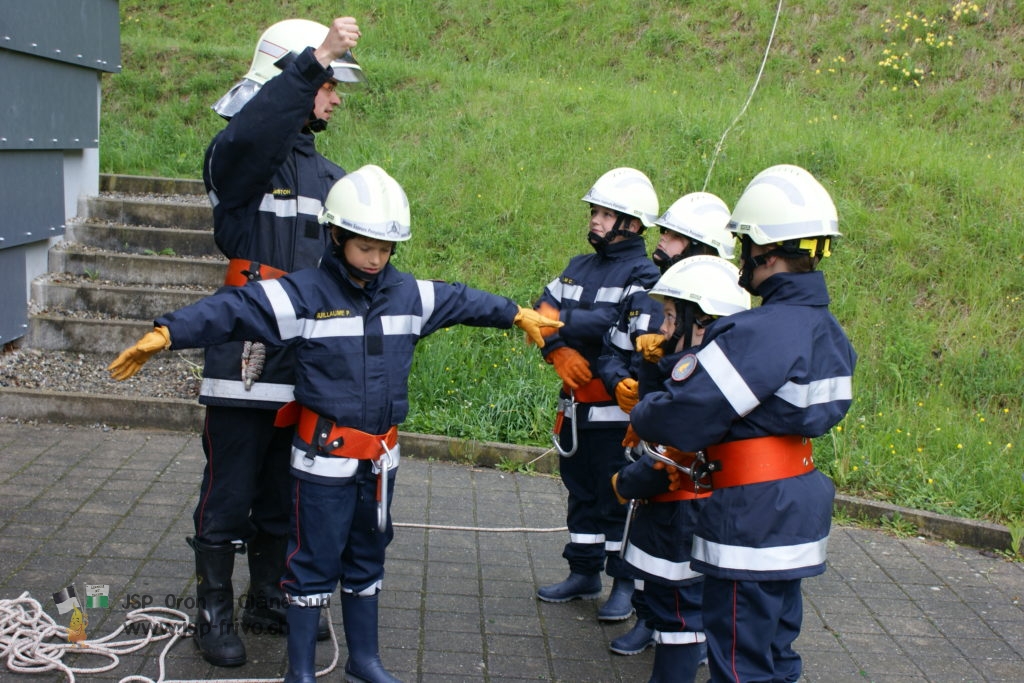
497 116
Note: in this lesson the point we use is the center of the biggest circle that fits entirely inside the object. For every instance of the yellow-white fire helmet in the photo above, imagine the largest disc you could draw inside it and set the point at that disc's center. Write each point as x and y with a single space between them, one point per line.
708 281
368 202
627 191
279 46
785 204
701 216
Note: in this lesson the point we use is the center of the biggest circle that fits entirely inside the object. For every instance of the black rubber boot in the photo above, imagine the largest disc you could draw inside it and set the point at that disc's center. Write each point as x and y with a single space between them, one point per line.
675 663
585 586
302 628
215 634
619 606
266 607
360 617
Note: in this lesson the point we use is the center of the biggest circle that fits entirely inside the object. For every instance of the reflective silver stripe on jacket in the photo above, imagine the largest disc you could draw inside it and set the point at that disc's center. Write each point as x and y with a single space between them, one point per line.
778 558
235 389
289 208
820 391
290 326
332 466
659 566
728 380
607 414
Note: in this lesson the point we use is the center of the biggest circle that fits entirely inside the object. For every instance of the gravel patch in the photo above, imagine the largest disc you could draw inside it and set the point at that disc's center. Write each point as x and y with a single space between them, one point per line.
166 375
159 198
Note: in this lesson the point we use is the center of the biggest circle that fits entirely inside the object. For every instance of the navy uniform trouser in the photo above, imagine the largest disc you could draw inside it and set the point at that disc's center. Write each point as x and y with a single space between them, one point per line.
335 537
674 612
595 517
245 481
751 626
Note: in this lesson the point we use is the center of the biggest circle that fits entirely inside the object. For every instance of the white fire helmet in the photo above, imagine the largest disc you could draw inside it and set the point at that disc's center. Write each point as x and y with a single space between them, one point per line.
785 203
370 203
277 47
703 217
711 282
627 191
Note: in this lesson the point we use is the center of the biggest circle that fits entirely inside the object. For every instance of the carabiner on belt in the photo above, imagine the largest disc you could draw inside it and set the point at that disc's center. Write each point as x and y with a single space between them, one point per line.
566 409
697 472
384 463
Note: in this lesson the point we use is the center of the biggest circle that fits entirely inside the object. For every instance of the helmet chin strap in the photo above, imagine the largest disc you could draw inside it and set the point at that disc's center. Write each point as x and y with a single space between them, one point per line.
601 242
685 319
315 125
338 249
694 248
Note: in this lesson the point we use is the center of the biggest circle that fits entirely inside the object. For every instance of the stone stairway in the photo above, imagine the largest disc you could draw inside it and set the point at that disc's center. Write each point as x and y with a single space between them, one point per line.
143 247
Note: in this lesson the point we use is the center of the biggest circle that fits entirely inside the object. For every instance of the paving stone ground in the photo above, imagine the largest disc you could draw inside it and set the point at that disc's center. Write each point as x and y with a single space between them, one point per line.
93 506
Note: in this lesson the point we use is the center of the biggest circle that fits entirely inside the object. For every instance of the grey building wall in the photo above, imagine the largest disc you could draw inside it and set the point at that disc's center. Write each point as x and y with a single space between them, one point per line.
52 55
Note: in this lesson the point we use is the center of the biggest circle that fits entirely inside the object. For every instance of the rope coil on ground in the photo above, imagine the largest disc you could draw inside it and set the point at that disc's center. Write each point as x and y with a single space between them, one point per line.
25 630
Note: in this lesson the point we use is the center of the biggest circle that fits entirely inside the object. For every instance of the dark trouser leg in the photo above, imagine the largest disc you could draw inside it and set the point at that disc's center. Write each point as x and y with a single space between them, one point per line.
742 622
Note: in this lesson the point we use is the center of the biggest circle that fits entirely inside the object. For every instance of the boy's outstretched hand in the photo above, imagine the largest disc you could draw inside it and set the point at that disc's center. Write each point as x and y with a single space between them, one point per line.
531 322
134 357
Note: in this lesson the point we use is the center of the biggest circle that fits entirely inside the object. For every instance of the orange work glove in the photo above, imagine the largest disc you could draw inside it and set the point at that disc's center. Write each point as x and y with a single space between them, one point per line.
571 366
649 346
548 311
675 475
632 439
133 358
627 394
536 325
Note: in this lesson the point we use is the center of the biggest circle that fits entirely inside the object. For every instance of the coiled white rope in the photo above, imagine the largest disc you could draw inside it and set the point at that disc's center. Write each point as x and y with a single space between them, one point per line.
25 630
753 89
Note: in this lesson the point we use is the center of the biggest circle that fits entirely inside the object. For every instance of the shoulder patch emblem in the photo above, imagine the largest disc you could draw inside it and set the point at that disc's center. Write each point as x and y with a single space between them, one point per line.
684 368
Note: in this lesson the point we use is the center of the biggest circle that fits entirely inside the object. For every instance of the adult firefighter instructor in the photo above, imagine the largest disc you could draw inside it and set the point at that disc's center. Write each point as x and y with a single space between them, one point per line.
267 183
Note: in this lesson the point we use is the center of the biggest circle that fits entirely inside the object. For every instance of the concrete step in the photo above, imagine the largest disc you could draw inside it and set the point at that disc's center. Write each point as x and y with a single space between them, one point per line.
133 239
189 212
63 331
142 269
65 292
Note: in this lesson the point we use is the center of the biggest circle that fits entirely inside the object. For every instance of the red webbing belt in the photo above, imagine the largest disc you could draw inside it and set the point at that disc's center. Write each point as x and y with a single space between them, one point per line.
591 392
753 461
242 271
352 443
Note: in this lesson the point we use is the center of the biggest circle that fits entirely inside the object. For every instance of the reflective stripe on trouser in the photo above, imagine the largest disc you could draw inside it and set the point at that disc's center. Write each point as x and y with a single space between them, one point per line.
245 484
594 517
750 627
334 536
675 612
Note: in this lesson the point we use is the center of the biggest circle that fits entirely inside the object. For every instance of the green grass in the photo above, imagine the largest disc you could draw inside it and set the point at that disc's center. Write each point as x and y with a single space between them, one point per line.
497 116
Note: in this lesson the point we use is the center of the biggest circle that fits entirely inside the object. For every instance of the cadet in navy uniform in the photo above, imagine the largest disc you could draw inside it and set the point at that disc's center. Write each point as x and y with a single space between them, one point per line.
586 297
353 323
694 292
693 225
267 183
763 384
